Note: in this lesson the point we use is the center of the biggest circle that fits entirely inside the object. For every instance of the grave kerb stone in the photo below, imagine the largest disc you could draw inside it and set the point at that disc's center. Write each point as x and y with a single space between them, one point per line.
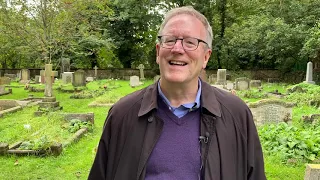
312 172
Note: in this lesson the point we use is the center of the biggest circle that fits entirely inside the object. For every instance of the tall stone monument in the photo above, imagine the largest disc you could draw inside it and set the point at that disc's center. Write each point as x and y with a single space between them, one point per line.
309 73
221 77
49 101
141 68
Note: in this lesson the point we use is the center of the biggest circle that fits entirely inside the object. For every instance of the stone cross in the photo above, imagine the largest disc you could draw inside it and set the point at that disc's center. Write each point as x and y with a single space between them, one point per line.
141 67
49 75
309 73
95 71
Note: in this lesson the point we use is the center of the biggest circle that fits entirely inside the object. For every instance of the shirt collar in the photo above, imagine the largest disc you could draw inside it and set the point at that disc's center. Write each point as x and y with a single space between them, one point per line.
194 105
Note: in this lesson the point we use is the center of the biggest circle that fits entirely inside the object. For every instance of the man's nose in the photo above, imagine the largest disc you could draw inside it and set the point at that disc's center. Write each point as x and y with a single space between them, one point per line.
178 47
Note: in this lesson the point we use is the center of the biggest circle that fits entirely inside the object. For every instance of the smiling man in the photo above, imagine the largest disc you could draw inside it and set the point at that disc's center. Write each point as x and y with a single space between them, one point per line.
180 127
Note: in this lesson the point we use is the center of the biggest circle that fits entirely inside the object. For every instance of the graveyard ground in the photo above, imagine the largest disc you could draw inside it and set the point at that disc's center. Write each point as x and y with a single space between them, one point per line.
76 159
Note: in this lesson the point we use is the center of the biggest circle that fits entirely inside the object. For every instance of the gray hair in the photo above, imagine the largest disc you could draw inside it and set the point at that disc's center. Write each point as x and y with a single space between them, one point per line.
189 10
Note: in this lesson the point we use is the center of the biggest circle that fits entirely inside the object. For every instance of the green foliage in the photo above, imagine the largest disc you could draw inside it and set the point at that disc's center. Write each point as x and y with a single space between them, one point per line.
76 124
304 98
291 142
37 144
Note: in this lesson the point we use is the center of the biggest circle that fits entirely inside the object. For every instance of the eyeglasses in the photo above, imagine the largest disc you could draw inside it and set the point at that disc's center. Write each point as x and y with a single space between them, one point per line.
188 44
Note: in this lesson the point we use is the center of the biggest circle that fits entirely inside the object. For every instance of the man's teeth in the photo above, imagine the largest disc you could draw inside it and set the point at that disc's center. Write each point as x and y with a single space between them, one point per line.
177 63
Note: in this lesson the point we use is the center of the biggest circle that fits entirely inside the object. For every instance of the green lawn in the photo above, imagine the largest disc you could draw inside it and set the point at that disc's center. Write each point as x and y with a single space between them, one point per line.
76 160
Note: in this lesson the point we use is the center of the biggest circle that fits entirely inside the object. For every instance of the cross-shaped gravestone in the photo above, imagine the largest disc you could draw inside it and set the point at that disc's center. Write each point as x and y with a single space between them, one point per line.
95 71
141 67
48 75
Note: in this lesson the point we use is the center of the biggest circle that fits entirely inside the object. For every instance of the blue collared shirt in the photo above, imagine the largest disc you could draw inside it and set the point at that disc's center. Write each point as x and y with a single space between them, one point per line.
184 108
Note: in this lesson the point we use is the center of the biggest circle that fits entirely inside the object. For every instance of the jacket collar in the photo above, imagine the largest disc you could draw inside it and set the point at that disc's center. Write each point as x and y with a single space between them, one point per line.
208 99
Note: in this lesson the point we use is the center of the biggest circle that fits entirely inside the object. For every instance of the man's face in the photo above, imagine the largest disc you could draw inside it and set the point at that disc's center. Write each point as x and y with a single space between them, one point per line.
176 64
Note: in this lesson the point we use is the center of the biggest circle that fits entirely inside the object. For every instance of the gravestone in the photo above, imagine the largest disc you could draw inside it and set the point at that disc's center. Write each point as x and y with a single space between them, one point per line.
309 73
25 76
49 101
5 80
221 77
229 85
312 172
48 76
37 79
203 75
89 79
141 68
96 72
67 77
212 79
156 78
79 78
11 76
271 111
255 83
42 78
2 90
65 65
134 81
242 83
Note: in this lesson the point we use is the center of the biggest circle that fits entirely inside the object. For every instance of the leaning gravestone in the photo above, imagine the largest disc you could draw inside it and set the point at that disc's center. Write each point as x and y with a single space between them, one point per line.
221 77
134 81
312 172
271 111
37 79
79 78
309 73
141 68
25 76
242 83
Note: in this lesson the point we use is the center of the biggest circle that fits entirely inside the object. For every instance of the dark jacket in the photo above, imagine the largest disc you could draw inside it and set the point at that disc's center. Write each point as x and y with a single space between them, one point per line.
230 150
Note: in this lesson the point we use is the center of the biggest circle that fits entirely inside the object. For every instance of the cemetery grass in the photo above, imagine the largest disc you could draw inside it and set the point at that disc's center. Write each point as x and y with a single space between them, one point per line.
76 160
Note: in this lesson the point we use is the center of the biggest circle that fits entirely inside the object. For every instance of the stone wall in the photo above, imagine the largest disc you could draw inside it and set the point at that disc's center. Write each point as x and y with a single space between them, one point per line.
292 77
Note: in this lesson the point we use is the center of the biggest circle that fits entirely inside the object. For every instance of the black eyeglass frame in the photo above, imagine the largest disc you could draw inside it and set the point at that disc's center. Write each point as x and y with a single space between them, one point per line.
176 39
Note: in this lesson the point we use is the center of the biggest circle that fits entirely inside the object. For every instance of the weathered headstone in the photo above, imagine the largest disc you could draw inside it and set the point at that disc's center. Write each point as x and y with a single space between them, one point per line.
141 68
65 65
230 85
96 72
11 76
67 77
271 111
48 76
79 78
312 172
37 79
134 81
242 83
255 83
25 76
309 73
212 79
4 80
221 77
2 90
42 78
89 79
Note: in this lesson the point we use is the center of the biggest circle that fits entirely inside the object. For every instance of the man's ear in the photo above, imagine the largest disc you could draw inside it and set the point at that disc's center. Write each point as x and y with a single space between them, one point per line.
206 58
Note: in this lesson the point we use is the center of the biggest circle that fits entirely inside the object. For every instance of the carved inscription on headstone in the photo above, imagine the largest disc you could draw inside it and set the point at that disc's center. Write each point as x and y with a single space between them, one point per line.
271 111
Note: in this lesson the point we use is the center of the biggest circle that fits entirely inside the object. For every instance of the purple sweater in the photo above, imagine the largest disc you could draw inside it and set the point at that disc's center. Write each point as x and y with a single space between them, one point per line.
177 152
